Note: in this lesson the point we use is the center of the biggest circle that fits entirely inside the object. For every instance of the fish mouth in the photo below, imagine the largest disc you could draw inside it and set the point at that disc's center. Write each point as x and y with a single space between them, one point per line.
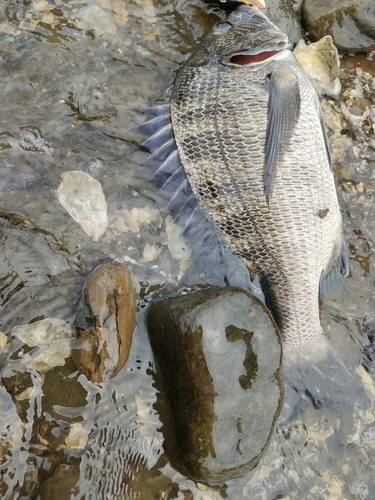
249 58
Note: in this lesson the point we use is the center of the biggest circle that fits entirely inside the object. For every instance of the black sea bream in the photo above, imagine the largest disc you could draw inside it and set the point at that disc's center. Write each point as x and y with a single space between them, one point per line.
252 141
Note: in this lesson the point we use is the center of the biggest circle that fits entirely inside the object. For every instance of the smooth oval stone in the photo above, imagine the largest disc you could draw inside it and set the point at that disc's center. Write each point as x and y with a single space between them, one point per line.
105 322
351 23
82 197
218 356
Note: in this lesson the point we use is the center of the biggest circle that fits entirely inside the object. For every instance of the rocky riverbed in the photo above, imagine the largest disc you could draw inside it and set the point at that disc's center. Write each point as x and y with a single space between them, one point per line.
76 79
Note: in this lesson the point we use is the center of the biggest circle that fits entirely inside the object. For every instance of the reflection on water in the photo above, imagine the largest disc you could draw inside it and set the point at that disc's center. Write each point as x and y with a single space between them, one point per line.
75 79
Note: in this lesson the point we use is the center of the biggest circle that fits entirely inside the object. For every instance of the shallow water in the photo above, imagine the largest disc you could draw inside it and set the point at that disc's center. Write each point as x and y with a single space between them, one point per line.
75 80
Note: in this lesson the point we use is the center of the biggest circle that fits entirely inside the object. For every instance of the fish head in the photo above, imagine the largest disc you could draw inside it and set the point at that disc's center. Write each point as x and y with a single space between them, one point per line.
246 38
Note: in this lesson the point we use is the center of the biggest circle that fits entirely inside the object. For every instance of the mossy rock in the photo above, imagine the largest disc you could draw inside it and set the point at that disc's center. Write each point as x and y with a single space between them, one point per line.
218 356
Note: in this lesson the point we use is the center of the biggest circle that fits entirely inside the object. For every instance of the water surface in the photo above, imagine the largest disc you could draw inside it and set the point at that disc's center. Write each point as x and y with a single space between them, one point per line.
75 80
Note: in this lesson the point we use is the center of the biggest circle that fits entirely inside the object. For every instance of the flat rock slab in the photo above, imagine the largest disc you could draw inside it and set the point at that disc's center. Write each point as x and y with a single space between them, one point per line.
351 23
218 356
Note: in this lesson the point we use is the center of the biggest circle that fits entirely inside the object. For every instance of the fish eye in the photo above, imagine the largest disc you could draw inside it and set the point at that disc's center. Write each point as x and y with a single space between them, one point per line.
222 27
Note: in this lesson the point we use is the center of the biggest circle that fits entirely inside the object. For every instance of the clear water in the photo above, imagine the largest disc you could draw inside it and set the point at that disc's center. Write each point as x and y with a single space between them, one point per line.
75 80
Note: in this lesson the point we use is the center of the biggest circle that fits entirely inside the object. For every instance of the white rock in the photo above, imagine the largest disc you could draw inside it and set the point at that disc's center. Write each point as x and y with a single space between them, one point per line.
41 332
3 341
117 7
354 119
320 62
48 356
44 331
178 245
147 215
123 221
51 336
150 253
78 437
99 19
82 197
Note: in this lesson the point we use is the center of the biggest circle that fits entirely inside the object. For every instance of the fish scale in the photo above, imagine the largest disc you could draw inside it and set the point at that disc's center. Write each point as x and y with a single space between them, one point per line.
219 117
250 135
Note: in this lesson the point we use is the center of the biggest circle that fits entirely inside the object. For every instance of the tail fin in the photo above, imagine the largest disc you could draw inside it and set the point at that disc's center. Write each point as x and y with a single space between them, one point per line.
326 383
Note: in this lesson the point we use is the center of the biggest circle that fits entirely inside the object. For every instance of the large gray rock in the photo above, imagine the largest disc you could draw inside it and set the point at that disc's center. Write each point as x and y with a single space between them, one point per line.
280 12
218 355
351 23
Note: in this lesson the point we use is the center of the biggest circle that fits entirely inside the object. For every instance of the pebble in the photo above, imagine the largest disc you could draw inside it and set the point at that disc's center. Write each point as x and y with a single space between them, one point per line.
42 332
82 197
51 339
78 437
105 322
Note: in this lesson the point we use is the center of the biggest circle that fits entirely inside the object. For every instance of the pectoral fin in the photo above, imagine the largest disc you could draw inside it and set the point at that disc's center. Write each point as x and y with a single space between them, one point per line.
283 112
335 277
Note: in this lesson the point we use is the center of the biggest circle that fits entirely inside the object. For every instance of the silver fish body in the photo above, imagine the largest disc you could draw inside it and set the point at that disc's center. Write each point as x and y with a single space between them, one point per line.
252 141
246 125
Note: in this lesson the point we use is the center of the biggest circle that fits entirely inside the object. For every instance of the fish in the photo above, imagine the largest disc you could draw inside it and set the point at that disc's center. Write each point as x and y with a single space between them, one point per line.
250 138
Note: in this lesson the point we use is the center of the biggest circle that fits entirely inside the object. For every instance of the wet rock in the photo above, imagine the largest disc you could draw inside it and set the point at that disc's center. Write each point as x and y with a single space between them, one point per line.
61 485
320 62
42 332
51 338
218 357
280 12
122 221
82 197
178 245
105 322
78 437
63 395
99 19
31 139
12 446
350 23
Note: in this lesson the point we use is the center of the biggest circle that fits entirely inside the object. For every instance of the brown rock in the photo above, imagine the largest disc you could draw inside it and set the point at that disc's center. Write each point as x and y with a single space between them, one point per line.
106 322
61 485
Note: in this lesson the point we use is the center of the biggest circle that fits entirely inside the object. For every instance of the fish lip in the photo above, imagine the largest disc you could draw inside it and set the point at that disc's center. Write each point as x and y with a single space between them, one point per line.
281 53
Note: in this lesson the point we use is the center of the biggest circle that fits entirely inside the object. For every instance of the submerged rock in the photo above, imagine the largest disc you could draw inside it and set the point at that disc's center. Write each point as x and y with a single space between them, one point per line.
105 322
82 197
218 355
351 23
62 484
51 338
320 61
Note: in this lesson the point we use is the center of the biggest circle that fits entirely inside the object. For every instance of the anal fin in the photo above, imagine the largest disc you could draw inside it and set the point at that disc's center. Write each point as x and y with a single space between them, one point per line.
334 278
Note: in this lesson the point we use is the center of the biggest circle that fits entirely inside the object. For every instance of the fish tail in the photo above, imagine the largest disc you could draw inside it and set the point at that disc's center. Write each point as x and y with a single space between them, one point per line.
322 381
